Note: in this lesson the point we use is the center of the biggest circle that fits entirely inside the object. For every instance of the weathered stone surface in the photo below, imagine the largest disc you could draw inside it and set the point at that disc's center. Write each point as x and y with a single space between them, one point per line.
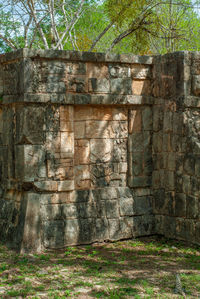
141 87
147 118
77 128
99 85
196 85
121 86
30 162
140 72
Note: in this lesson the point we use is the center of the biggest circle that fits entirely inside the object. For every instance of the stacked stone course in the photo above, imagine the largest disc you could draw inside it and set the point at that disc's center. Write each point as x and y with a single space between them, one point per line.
97 147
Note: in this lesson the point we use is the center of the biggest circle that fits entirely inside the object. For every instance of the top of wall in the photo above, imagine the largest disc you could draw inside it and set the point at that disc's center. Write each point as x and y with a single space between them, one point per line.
76 56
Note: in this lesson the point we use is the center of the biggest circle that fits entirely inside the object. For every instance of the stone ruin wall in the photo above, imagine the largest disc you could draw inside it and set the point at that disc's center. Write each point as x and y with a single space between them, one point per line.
98 147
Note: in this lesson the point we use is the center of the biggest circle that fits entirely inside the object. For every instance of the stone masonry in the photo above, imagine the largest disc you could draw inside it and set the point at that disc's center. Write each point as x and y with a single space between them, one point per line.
97 147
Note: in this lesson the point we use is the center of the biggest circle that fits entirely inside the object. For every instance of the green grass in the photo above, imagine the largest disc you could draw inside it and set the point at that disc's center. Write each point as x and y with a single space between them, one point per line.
142 268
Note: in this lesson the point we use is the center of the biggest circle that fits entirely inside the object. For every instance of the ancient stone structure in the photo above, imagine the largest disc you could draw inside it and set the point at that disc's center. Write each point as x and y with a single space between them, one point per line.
98 147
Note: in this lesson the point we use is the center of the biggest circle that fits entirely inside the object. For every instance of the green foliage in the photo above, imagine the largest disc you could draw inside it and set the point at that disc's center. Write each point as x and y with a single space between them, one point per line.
139 26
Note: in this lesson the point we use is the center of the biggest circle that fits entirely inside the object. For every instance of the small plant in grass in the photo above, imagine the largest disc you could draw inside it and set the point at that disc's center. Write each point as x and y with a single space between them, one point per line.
3 267
67 293
44 257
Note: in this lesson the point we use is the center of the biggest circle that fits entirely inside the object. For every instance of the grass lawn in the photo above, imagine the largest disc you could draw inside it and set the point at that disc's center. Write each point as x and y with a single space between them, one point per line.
141 268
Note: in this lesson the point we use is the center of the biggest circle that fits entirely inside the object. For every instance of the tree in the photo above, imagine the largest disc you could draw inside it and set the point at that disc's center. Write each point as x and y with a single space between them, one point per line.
138 26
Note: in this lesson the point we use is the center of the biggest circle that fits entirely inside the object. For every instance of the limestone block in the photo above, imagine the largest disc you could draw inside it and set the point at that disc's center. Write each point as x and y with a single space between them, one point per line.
137 164
87 210
148 163
141 87
86 231
114 229
79 99
3 165
30 162
157 118
51 212
143 181
106 129
195 183
101 229
31 238
67 185
1 121
169 180
180 205
108 193
135 121
66 118
126 206
140 72
196 84
178 123
100 207
67 145
169 203
101 150
197 166
77 84
119 150
126 227
57 87
82 152
69 210
186 187
142 192
192 207
101 174
171 161
60 168
99 85
136 142
112 209
46 186
66 126
72 232
76 68
122 167
82 177
159 201
181 232
168 122
119 113
8 125
143 225
157 142
79 129
118 180
56 198
84 112
52 118
197 231
66 112
54 233
121 86
170 226
53 143
53 67
147 118
119 71
105 113
142 205
99 70
189 164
